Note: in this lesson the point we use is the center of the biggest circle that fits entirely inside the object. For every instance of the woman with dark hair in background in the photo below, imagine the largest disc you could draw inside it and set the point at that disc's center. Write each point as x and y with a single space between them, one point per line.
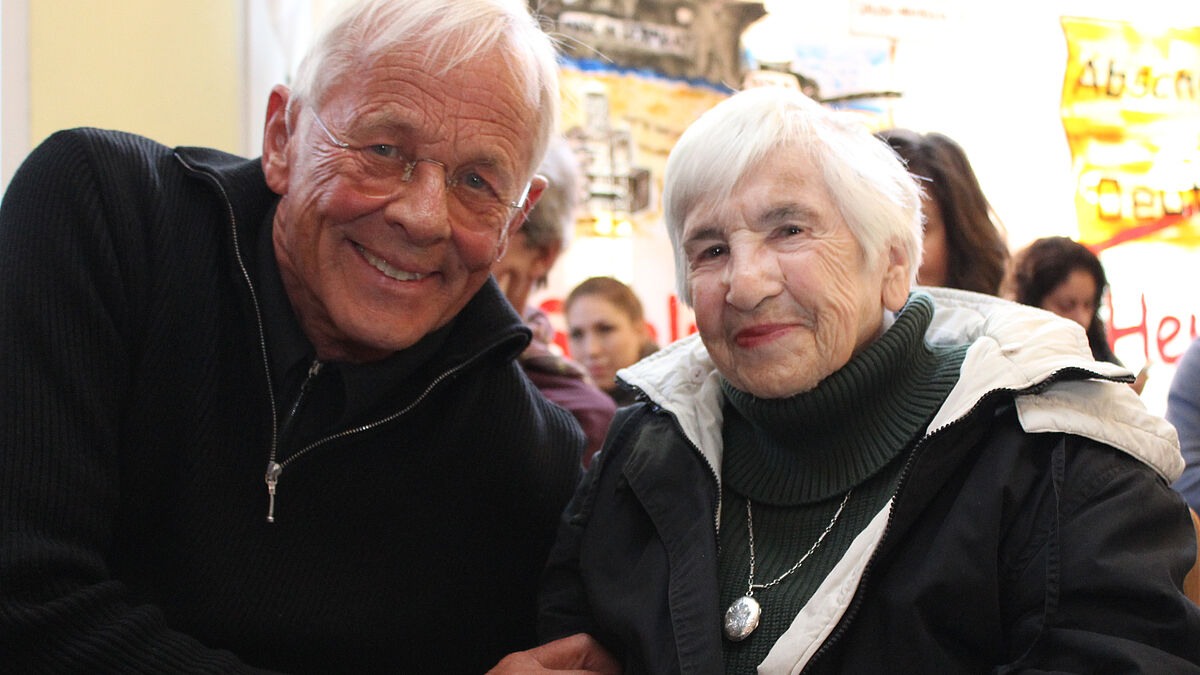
963 243
1063 276
607 331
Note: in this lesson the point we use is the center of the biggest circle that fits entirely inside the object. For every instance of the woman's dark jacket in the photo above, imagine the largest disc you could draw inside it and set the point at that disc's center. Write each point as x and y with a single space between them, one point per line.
1033 529
136 422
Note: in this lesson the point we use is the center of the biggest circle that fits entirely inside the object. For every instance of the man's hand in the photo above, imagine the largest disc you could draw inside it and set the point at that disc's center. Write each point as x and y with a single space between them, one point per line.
579 653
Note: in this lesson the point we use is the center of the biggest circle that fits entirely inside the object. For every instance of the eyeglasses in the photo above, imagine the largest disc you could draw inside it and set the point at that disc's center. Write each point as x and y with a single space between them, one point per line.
380 170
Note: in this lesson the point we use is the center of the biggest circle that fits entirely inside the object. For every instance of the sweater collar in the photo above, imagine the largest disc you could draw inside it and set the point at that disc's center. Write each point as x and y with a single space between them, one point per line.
822 442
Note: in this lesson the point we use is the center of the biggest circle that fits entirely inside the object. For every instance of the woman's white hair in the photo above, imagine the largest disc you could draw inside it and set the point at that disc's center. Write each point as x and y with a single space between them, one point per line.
448 34
872 190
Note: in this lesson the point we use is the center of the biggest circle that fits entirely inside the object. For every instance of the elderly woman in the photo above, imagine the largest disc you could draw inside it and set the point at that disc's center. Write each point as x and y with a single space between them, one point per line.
841 475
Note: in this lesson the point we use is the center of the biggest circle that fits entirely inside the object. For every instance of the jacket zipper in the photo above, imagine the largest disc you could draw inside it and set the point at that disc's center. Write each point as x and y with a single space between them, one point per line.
274 468
711 471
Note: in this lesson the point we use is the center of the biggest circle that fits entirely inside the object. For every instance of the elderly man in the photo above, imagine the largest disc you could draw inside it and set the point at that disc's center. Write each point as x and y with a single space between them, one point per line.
843 475
175 322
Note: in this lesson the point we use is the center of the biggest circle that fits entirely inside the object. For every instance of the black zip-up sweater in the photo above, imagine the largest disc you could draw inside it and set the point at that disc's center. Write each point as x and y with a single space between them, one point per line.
136 422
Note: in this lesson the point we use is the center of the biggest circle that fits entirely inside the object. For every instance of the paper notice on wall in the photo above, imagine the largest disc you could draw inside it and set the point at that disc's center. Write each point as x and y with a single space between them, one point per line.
1131 111
903 19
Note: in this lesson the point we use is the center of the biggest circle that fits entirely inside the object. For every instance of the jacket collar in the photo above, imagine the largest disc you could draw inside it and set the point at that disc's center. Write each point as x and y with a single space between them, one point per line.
241 183
1040 359
1046 361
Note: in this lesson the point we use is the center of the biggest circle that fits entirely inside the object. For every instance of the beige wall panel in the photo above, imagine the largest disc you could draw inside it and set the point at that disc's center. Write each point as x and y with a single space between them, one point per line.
167 69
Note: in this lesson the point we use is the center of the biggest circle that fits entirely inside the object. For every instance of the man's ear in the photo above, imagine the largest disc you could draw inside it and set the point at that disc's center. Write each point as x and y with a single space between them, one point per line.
537 185
897 282
277 134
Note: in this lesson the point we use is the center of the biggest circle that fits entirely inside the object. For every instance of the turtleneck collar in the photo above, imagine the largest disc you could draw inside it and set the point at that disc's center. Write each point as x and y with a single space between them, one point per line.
822 442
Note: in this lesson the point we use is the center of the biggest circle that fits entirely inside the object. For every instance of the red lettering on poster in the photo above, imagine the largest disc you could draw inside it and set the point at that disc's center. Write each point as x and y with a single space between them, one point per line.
1165 335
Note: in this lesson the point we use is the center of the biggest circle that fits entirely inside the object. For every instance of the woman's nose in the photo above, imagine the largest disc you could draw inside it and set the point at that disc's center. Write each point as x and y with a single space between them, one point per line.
752 276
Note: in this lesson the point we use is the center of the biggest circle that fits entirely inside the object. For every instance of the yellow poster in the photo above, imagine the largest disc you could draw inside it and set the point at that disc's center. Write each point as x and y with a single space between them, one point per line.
1131 111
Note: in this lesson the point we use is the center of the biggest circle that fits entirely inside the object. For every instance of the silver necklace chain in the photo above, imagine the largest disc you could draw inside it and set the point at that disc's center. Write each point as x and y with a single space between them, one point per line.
750 527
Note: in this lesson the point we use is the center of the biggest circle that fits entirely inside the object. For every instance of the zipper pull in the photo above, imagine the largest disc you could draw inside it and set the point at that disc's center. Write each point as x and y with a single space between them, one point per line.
273 471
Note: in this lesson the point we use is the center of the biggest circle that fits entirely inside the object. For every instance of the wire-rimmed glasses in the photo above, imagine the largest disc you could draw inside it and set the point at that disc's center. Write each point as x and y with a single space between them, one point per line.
380 170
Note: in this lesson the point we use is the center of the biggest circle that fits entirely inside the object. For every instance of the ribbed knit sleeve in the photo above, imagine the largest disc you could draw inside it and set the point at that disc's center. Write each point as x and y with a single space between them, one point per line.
74 260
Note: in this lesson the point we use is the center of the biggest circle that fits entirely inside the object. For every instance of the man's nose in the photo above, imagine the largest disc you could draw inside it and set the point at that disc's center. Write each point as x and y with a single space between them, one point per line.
420 207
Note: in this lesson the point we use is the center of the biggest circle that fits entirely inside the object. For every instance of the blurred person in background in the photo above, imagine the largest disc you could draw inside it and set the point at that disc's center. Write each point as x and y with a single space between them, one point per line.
607 331
1183 410
532 252
1061 275
963 243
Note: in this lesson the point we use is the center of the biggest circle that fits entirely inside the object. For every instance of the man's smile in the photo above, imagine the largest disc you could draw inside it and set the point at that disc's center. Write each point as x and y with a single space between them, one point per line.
386 268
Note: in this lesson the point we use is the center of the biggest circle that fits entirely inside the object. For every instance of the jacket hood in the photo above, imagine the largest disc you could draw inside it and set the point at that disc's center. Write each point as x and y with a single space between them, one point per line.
1041 360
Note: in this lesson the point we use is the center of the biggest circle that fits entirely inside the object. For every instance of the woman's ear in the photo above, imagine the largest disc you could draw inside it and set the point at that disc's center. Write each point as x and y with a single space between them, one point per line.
277 134
897 280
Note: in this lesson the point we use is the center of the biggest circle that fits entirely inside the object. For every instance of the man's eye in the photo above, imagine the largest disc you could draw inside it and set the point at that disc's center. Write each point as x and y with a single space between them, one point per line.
713 252
383 150
791 230
473 181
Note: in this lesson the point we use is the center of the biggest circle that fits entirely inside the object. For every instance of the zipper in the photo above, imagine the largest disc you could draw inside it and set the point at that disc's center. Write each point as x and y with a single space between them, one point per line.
711 471
262 334
275 468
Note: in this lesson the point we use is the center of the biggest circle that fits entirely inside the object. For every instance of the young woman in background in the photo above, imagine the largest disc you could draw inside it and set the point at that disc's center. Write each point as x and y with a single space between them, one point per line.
963 243
607 331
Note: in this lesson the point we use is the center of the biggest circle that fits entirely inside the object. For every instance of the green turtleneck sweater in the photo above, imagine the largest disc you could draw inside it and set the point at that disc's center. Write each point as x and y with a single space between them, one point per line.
796 458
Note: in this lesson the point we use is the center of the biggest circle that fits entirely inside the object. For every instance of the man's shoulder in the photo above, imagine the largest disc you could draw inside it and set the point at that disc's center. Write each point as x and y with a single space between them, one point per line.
87 151
122 160
104 140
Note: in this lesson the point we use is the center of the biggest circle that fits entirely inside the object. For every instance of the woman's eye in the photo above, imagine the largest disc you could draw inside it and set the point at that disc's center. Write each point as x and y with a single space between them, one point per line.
791 230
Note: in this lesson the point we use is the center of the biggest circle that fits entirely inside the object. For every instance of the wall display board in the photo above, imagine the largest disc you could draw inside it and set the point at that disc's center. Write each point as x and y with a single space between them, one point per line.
1131 112
633 77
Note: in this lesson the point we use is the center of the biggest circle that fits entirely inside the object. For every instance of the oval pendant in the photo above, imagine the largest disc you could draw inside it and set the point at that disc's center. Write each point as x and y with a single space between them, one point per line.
742 618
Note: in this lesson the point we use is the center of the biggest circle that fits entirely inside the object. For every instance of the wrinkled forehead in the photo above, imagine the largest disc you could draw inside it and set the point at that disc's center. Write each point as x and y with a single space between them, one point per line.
475 111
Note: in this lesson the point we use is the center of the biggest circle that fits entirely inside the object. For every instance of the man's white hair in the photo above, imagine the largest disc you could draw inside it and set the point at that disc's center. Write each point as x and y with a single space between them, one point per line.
870 186
448 34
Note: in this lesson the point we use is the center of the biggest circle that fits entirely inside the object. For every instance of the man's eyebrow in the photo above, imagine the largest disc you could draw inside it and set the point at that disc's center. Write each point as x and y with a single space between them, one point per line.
382 120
